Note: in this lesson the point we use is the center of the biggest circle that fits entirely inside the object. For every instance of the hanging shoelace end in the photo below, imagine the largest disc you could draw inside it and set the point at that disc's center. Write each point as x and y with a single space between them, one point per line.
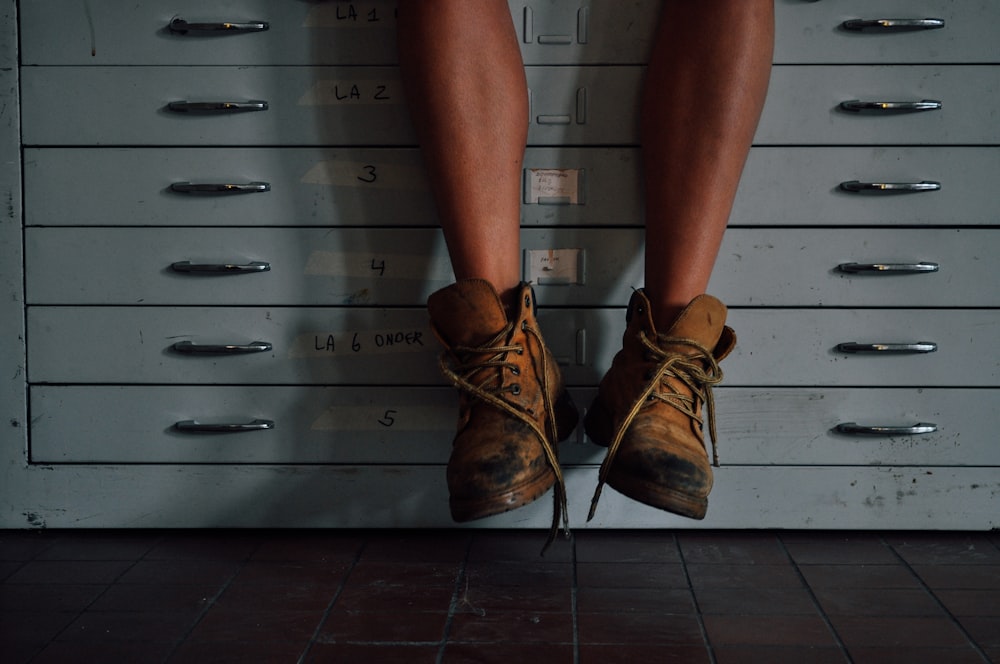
560 514
593 502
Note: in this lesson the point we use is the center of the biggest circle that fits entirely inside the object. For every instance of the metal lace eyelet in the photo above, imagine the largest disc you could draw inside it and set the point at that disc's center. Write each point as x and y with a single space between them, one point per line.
516 371
524 325
527 300
515 389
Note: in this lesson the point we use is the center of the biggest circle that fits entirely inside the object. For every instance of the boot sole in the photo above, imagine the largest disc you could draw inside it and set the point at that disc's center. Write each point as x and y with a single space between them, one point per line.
463 510
470 510
654 495
597 425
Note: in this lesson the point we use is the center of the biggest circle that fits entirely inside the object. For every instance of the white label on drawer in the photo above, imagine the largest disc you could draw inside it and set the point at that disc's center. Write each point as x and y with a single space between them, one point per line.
420 267
553 186
361 174
386 418
352 15
363 342
337 93
551 267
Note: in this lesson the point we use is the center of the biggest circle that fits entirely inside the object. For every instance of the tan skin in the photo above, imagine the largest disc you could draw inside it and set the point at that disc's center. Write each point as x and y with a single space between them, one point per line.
704 91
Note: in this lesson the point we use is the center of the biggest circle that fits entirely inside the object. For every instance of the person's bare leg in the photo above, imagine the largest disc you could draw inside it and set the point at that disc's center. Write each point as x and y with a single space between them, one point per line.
703 95
466 90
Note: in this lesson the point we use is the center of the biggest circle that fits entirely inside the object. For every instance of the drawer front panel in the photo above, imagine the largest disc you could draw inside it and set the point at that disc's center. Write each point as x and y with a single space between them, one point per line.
803 106
814 32
803 186
354 346
416 425
307 187
63 32
549 32
795 426
584 267
319 33
305 105
580 105
561 187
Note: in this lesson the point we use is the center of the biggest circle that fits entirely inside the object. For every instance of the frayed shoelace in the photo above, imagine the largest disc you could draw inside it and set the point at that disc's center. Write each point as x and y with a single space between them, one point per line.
497 353
690 371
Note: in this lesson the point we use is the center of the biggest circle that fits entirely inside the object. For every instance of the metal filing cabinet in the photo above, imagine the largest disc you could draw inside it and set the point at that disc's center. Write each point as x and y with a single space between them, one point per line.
127 349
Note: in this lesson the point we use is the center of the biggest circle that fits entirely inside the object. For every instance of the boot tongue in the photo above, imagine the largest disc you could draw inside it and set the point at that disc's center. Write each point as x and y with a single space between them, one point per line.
468 313
703 321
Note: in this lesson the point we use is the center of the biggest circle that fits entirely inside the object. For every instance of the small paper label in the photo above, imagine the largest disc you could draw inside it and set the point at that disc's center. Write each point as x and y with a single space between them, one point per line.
553 186
551 267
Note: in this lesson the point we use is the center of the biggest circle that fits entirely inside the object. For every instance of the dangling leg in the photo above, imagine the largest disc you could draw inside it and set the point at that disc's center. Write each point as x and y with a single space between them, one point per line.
467 94
466 90
703 95
704 91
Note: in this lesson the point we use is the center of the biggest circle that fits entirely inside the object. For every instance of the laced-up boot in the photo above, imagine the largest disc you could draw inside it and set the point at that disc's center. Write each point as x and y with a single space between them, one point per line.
513 405
648 410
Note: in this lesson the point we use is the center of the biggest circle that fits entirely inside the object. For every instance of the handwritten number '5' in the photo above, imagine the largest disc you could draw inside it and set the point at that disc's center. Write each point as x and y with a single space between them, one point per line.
388 420
369 176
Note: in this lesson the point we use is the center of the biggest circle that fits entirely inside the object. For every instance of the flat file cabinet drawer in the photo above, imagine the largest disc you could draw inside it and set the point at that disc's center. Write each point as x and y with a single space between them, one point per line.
549 32
253 425
363 425
828 32
569 105
296 105
563 186
858 426
579 267
304 187
365 346
187 32
312 33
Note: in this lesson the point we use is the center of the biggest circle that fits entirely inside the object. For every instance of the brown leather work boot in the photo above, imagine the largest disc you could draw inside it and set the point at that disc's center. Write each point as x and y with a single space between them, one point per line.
648 407
513 406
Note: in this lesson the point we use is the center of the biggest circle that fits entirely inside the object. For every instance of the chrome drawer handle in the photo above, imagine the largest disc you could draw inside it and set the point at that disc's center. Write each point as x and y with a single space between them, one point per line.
181 27
194 426
190 348
918 347
892 24
219 188
856 186
216 106
888 268
858 106
855 429
188 267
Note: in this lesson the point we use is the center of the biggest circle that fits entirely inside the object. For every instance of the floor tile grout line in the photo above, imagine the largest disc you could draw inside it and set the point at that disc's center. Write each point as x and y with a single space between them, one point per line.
815 600
710 649
78 614
210 603
937 600
85 609
333 602
453 606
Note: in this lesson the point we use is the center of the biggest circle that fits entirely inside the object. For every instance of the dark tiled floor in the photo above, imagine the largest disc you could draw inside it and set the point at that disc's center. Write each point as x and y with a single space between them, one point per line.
487 596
